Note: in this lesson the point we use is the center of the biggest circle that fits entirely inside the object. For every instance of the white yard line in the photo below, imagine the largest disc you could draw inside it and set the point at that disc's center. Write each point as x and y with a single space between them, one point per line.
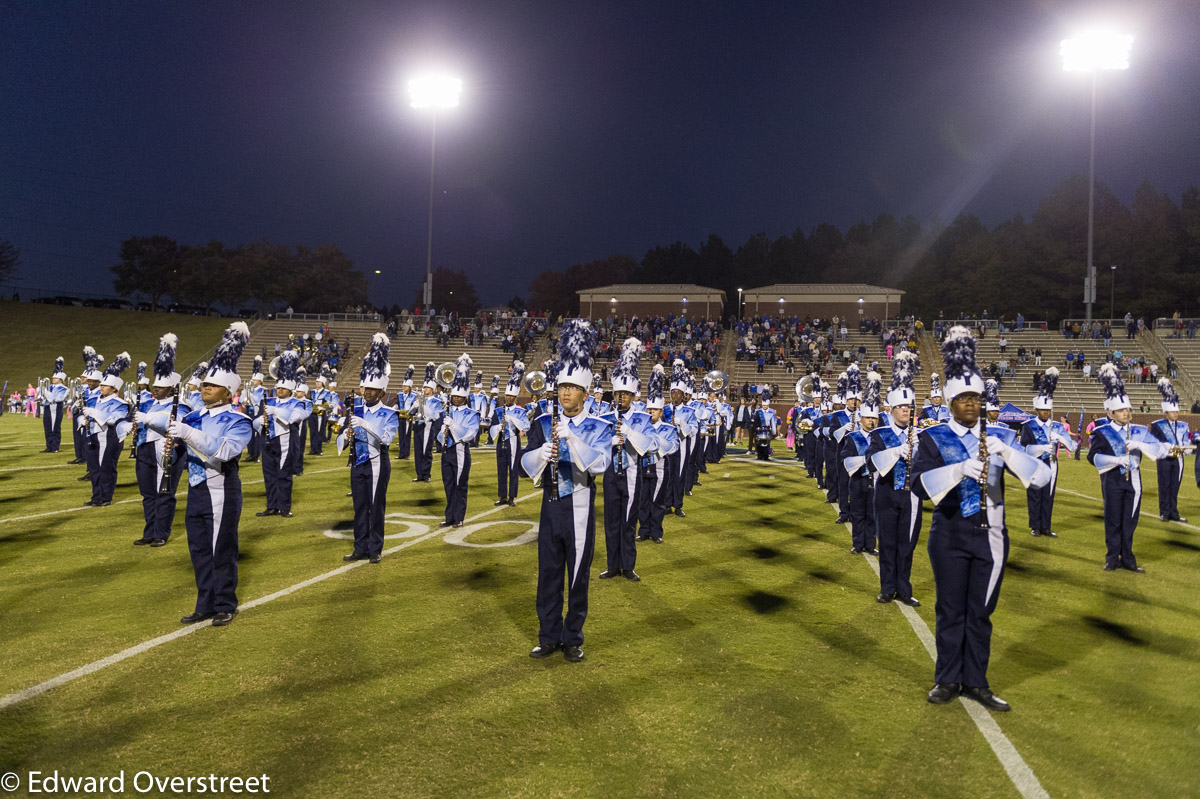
91 668
30 468
1060 489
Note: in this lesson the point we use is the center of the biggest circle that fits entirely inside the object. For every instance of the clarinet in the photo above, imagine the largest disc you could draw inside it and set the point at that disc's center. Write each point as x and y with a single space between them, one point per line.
618 461
983 458
553 465
1128 439
912 435
135 400
167 459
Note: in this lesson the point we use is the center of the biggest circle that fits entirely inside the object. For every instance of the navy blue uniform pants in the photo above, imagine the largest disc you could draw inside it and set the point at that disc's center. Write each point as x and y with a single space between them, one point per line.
861 509
621 516
158 509
1122 504
968 568
423 451
566 543
1170 477
368 490
103 453
898 526
507 472
652 498
277 458
1040 501
456 473
214 509
677 464
81 438
404 439
52 416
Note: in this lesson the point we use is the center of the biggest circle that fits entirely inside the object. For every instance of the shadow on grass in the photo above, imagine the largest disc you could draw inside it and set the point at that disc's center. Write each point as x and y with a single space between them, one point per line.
1118 631
765 602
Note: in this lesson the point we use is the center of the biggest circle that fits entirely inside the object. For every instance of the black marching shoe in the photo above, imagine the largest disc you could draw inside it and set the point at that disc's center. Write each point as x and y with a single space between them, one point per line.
679 512
943 692
500 502
544 650
883 599
158 542
1110 567
573 654
103 504
223 619
267 512
985 697
1035 533
81 479
1132 567
142 542
841 519
1049 534
656 540
874 552
608 574
193 618
458 524
640 537
911 601
353 556
855 551
632 576
445 524
512 502
287 514
375 559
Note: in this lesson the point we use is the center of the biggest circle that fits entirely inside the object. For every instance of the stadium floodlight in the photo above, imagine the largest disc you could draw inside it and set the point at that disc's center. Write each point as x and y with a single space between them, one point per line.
433 92
1098 50
1093 53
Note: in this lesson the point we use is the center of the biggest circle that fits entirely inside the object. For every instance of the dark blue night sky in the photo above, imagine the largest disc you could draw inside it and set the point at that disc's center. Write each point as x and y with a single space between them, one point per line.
585 130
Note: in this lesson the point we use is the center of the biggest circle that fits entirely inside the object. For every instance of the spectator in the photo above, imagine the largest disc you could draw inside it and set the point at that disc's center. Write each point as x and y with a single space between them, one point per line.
1037 356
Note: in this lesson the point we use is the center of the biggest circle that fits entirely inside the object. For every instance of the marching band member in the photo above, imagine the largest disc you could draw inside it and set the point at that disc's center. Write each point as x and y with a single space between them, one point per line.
491 404
991 403
704 421
1041 437
459 428
109 424
215 436
255 395
935 411
1174 434
160 462
323 408
425 425
88 394
655 465
194 400
281 415
968 542
508 422
595 404
477 401
1116 451
369 429
852 395
834 420
566 452
725 411
764 426
406 406
631 439
860 485
54 404
684 419
897 509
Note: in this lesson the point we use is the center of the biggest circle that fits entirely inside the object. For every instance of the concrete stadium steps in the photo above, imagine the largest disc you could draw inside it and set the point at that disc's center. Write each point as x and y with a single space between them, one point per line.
265 334
418 351
747 371
1187 355
1073 391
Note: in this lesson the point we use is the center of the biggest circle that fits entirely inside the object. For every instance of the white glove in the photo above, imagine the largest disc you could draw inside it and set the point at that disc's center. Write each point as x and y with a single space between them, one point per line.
179 430
1125 461
625 429
997 447
140 417
269 410
1038 450
547 450
90 413
971 468
1133 446
564 430
616 441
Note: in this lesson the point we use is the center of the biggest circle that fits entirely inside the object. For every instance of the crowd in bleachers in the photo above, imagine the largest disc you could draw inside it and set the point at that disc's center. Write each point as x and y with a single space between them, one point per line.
317 349
512 332
814 343
696 341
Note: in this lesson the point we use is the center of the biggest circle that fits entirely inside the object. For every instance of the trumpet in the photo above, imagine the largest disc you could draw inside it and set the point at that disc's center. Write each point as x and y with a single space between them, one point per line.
1179 450
929 422
805 425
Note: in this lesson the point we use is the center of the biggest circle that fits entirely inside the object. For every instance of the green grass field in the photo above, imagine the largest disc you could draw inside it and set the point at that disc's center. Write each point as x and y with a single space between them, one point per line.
36 334
751 661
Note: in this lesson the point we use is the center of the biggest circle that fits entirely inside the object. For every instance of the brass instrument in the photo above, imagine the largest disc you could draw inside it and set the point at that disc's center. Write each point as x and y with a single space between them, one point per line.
717 380
535 382
1179 450
444 374
805 425
273 368
804 389
929 422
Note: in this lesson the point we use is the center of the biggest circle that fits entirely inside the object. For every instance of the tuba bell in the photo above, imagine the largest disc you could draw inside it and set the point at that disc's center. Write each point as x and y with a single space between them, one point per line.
445 374
717 380
535 382
273 368
804 389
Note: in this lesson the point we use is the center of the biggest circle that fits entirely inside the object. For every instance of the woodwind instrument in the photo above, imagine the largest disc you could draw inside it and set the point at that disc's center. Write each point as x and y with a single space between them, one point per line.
983 458
912 440
553 465
134 398
1128 439
618 461
167 459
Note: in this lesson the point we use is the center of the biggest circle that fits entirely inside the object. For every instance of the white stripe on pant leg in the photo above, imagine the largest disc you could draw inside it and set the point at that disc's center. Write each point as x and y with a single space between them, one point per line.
216 495
1137 492
581 505
374 461
285 446
912 518
631 476
458 463
1182 469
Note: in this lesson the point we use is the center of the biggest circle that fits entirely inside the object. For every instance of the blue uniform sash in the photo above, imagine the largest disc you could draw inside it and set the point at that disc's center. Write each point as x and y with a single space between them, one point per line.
952 450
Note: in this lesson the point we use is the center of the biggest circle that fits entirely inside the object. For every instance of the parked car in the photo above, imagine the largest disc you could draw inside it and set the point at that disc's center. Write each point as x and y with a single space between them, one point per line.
60 300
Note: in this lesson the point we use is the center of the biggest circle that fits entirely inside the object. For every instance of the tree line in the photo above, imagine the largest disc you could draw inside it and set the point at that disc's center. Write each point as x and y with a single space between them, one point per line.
260 274
1034 267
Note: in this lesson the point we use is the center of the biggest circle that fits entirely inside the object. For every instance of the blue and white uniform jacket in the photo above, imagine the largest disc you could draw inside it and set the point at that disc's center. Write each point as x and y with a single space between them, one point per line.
583 452
218 435
374 428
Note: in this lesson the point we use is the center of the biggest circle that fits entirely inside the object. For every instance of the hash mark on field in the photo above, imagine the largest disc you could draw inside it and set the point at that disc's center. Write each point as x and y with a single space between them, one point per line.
31 468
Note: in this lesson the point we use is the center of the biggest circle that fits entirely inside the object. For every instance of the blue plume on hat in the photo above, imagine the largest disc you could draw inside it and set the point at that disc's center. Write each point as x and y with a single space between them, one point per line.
431 373
141 371
1049 382
164 361
202 367
958 354
229 351
853 380
991 392
326 374
289 362
575 345
301 374
679 372
462 374
1167 391
871 395
1110 378
495 383
843 384
375 362
654 389
766 394
904 370
257 368
596 384
59 364
408 373
119 365
935 382
91 361
551 369
517 375
824 392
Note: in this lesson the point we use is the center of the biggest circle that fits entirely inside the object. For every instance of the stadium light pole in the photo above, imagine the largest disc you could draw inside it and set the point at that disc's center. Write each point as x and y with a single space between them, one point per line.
433 92
1111 290
1091 53
739 313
